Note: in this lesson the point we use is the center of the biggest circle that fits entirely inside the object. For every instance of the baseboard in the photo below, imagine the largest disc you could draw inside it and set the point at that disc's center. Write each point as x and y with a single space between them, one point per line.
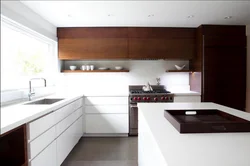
105 135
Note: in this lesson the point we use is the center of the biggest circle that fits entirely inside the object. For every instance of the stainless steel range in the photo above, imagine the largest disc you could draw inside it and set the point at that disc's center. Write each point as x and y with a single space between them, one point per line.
157 94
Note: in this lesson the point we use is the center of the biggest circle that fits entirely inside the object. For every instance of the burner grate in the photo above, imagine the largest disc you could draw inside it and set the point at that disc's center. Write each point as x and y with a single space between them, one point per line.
148 92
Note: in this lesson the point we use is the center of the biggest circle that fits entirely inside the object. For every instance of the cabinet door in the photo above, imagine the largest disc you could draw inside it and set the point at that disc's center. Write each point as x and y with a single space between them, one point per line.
68 109
106 100
107 123
38 144
40 125
157 48
93 48
65 123
224 71
47 157
67 140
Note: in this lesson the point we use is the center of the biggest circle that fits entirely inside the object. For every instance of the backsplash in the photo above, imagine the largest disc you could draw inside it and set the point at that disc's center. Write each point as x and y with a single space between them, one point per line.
12 96
141 72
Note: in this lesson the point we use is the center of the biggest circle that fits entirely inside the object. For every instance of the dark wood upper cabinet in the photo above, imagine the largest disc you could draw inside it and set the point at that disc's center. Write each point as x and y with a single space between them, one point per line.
166 33
126 43
224 41
221 65
92 48
160 48
93 32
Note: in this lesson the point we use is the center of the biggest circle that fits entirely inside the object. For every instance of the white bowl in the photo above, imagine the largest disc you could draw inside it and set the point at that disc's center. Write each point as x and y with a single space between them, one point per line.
72 67
179 68
118 67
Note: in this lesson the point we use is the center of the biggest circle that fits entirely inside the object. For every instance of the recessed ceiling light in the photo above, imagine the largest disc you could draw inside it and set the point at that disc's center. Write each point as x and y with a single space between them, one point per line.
228 17
110 15
190 16
69 15
151 15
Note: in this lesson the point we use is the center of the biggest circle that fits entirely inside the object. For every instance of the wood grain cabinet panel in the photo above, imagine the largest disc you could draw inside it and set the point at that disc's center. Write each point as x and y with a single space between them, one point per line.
156 48
93 32
221 58
161 32
93 48
225 41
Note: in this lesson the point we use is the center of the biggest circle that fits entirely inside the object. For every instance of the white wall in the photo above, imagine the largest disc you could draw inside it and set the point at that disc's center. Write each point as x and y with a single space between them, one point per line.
248 69
20 13
141 72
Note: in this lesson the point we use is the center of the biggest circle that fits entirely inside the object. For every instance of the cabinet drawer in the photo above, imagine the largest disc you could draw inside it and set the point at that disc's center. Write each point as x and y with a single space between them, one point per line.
106 100
107 123
38 144
67 140
187 99
40 125
46 157
67 110
117 109
64 124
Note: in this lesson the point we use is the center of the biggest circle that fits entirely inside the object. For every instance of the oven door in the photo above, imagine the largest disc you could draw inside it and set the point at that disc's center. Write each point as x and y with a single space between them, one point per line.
133 120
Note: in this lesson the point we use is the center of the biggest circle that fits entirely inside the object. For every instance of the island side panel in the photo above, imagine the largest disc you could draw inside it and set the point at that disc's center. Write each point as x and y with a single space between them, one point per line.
149 153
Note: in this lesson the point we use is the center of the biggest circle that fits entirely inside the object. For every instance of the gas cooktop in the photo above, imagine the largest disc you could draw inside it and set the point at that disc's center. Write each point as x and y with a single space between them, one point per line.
149 92
158 94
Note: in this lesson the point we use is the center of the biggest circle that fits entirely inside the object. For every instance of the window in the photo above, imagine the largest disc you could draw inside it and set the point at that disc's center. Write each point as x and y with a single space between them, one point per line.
24 55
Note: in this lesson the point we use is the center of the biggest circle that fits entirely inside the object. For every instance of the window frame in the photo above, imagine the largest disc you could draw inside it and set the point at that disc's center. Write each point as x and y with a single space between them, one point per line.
53 45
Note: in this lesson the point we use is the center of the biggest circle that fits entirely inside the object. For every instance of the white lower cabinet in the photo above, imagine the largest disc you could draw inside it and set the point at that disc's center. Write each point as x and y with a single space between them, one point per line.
47 157
187 99
106 116
50 144
37 145
107 123
68 140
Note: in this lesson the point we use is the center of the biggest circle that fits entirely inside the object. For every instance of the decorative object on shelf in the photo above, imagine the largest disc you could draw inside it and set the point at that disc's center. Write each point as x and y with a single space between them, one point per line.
94 71
147 87
72 67
118 68
103 68
179 68
180 71
83 67
158 81
92 67
87 67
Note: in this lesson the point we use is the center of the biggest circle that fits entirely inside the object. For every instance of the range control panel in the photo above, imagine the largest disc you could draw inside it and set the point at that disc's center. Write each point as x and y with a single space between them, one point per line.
152 98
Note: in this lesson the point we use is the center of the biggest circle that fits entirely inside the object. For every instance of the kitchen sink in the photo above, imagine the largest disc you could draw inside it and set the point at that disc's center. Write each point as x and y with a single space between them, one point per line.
44 101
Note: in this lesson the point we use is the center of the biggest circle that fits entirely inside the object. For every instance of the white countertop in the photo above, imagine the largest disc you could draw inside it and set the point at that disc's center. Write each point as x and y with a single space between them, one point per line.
17 115
185 93
125 94
210 149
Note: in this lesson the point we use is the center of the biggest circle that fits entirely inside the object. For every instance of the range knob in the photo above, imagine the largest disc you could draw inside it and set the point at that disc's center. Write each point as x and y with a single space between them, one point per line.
138 98
135 98
144 98
162 98
155 99
166 98
148 98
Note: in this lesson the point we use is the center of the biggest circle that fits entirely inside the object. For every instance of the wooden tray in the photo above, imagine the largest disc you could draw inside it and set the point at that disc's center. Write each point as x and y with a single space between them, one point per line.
206 121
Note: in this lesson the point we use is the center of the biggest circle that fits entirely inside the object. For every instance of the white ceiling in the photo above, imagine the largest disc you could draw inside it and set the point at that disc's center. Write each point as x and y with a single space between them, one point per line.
141 13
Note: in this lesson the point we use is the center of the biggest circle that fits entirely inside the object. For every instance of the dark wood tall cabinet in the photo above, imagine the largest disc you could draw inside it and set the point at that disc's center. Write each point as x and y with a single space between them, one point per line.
220 65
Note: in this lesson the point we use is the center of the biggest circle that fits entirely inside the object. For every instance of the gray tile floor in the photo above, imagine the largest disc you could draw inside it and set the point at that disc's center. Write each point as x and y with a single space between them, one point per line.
104 152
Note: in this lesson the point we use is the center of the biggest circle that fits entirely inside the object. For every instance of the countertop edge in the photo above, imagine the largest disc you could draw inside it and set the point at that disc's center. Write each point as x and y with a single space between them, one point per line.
46 110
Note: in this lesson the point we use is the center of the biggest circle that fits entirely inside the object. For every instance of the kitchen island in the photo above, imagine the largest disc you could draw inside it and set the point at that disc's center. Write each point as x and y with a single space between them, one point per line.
161 144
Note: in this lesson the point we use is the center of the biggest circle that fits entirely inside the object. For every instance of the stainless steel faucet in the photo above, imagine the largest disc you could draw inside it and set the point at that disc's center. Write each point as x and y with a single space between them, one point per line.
30 89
